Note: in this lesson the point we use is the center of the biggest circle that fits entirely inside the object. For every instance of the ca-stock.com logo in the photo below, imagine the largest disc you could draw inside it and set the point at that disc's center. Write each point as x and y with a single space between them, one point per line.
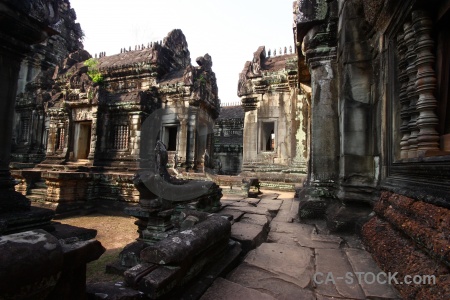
164 127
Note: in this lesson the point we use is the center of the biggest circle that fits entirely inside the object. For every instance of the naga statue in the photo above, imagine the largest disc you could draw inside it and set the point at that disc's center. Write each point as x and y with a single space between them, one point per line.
162 195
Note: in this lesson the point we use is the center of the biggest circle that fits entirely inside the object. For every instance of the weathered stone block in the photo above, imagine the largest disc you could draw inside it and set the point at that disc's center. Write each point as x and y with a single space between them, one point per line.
31 264
188 243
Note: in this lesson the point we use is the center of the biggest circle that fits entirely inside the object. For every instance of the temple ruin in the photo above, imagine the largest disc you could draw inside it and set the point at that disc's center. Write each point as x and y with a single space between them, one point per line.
276 120
93 126
355 119
379 129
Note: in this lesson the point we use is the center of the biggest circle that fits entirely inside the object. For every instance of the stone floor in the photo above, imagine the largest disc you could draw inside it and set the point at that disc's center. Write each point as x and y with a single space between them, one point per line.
291 260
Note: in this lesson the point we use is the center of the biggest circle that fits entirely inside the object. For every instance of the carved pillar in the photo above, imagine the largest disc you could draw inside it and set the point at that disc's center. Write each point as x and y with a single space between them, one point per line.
410 39
192 137
404 99
92 145
182 141
104 133
250 132
428 137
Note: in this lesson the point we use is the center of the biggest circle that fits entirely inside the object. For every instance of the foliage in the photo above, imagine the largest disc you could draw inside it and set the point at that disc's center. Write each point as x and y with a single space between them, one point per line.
93 72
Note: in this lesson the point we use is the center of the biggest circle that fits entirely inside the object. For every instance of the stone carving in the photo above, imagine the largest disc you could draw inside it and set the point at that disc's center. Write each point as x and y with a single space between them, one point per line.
404 99
82 114
428 137
411 70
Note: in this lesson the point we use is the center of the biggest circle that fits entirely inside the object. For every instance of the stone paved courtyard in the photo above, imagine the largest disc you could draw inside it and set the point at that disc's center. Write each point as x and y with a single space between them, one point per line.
283 265
283 255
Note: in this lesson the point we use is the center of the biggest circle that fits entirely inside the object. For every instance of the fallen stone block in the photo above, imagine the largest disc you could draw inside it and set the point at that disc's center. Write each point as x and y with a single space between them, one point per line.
255 219
31 264
249 235
187 243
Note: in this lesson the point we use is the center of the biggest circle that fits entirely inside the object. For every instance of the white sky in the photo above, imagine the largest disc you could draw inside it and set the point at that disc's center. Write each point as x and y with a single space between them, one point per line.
230 31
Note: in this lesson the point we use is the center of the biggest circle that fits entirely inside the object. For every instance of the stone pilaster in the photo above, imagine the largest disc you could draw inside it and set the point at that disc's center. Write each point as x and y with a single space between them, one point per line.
428 137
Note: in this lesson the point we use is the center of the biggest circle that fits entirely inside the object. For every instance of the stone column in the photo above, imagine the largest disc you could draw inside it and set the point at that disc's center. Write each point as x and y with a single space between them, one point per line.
182 141
324 148
250 132
192 137
410 39
9 72
404 99
428 137
357 178
18 30
93 143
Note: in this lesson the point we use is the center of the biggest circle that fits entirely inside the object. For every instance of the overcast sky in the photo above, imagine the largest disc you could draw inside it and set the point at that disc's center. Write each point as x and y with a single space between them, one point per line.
230 31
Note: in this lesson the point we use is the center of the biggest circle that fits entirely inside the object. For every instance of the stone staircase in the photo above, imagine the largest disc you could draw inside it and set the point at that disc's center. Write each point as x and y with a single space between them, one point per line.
38 192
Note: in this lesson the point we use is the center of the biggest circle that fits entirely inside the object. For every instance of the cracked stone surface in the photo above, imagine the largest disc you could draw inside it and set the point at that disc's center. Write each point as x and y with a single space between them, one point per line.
223 289
284 255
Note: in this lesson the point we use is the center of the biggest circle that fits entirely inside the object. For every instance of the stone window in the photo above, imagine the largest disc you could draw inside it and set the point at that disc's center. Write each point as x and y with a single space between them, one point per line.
170 137
120 137
25 129
267 133
423 64
60 138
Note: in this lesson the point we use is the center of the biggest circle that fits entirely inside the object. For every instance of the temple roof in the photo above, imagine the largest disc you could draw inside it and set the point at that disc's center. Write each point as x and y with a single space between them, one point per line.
130 57
276 63
173 77
231 112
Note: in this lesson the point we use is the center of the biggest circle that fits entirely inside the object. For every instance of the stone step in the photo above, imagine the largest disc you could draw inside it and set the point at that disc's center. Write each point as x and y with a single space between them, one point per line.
36 198
39 192
224 265
249 235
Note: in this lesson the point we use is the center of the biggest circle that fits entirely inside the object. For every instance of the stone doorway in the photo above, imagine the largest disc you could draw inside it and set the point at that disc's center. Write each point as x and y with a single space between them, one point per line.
82 139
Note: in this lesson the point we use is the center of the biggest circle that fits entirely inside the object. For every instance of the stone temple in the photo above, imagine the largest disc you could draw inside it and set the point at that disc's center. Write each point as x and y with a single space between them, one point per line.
91 132
354 118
